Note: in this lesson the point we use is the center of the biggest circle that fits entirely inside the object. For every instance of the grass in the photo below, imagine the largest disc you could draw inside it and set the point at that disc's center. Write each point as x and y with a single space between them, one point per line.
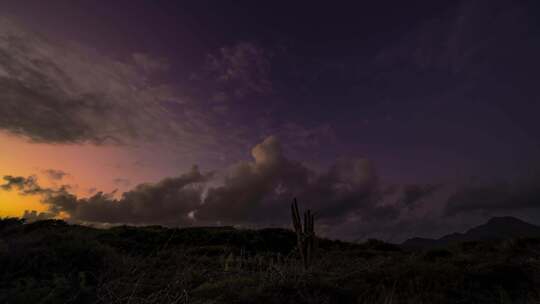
53 262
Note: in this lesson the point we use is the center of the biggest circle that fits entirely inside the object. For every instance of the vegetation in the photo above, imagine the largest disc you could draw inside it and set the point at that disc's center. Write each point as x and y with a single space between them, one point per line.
305 235
54 262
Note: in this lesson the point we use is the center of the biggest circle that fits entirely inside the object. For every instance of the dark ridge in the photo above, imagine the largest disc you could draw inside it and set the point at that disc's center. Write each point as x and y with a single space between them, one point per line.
496 228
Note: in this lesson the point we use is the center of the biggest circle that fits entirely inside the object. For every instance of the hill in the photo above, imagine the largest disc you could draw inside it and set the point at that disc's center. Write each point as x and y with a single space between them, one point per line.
496 228
55 262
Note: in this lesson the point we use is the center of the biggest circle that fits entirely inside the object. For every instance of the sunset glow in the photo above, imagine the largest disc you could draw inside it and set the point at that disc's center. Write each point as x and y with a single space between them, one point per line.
163 113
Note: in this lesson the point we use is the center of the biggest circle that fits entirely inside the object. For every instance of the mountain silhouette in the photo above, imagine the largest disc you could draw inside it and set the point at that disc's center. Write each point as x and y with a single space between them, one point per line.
495 229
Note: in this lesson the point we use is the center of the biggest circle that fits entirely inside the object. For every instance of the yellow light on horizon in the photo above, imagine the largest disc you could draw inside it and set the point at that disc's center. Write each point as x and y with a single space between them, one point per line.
12 204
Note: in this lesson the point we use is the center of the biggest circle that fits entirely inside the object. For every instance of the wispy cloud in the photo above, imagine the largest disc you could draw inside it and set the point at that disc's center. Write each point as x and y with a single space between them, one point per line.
55 175
150 64
59 92
239 70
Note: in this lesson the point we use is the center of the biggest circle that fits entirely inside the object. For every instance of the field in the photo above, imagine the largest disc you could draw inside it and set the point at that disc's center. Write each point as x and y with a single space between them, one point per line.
54 262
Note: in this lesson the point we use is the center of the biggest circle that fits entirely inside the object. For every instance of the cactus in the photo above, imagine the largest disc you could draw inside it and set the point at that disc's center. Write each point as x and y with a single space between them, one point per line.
305 235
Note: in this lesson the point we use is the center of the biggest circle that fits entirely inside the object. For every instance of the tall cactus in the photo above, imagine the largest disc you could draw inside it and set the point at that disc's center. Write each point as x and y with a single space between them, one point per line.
306 235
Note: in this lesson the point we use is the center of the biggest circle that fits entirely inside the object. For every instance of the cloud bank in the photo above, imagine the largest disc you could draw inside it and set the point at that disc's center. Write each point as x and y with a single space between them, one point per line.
253 193
349 198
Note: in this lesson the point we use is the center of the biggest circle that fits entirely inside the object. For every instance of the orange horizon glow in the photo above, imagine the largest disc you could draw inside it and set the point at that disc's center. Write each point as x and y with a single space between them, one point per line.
88 167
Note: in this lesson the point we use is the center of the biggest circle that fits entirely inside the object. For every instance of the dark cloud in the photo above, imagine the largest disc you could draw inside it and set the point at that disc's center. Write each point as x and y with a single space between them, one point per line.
261 191
490 197
55 175
264 186
59 92
413 195
55 91
24 185
253 193
167 202
349 187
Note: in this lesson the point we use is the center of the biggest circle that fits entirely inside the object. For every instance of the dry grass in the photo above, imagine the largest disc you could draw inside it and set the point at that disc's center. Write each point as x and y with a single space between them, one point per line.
50 262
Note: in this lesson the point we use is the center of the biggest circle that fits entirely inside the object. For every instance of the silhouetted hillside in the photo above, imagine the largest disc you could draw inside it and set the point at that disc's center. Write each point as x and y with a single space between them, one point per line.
55 262
495 229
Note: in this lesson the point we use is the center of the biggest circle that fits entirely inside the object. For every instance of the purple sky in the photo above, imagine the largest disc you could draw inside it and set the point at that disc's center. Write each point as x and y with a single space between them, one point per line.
438 95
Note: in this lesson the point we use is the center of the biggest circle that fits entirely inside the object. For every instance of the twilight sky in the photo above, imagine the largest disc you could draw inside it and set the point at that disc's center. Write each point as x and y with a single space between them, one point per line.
392 120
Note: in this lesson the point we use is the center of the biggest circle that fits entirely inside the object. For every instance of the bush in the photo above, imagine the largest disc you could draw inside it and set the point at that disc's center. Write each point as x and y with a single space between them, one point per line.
53 262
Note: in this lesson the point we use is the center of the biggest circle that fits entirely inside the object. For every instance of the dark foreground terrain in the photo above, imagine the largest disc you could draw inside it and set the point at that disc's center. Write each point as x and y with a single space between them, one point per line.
53 262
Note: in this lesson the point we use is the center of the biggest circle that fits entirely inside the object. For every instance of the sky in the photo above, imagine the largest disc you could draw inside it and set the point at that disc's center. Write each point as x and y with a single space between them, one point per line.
390 119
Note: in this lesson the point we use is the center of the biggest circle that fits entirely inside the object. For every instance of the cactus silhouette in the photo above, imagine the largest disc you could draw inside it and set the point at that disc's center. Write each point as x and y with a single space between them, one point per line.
305 235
